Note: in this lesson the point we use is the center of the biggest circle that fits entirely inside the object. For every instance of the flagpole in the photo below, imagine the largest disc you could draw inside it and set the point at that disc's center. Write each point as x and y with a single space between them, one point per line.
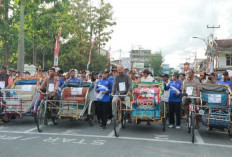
57 45
90 54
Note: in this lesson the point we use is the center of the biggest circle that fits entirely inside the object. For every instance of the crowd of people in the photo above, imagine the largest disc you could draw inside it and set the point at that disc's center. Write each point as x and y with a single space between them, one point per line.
119 81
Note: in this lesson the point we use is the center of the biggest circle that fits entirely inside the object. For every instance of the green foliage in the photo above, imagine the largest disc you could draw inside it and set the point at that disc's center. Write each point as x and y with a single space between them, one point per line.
156 63
82 22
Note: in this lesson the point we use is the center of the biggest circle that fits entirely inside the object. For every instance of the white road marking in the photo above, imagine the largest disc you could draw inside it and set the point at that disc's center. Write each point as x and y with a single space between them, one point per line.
198 137
35 128
125 138
111 134
3 127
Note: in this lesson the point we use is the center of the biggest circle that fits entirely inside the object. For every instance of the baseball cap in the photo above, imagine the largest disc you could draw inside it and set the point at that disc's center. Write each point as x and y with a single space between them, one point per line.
212 74
175 74
225 73
165 75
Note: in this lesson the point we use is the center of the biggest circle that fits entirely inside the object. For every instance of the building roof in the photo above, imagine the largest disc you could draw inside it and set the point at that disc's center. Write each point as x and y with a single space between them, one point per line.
224 45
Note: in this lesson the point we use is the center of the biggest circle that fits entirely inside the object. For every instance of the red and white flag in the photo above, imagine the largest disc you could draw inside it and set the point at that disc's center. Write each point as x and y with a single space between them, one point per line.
57 45
90 53
0 2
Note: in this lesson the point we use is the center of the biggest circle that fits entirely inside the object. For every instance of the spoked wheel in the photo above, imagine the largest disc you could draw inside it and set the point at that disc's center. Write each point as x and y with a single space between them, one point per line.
193 126
55 119
123 117
229 131
6 119
189 123
117 120
41 116
164 116
91 115
164 124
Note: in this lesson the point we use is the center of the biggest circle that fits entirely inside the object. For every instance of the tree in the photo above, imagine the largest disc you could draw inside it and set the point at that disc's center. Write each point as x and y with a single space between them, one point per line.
156 62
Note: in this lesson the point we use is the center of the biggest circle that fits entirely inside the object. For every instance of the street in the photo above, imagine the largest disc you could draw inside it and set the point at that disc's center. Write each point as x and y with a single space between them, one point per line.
76 138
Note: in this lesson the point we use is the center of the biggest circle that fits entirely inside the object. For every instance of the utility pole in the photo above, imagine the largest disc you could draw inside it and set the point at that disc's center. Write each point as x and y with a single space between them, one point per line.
212 57
120 57
20 64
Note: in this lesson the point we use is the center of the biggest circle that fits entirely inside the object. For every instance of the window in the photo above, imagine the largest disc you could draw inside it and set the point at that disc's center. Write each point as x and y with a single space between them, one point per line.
228 60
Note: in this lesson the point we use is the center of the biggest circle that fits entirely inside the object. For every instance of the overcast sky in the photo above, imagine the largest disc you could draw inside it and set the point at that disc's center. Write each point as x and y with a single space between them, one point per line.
168 25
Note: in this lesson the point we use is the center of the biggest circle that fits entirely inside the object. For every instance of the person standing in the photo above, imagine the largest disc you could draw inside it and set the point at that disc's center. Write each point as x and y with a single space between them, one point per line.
146 76
225 80
5 80
212 79
174 100
103 89
182 77
72 77
165 94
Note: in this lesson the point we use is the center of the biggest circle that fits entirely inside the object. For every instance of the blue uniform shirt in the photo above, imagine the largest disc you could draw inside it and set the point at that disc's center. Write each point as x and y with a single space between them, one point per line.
225 83
104 85
73 80
175 87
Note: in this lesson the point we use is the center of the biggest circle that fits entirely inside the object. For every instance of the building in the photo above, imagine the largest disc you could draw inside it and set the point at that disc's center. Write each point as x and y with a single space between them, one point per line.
223 59
139 59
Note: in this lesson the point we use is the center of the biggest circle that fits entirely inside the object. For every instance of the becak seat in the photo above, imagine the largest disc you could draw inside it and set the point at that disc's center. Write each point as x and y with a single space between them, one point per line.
74 94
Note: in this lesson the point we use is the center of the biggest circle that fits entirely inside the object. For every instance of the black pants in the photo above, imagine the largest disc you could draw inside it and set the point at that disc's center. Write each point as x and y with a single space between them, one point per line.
174 107
103 111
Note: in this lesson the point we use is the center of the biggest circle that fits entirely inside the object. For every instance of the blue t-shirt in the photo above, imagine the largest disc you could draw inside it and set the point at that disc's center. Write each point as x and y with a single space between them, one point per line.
104 85
175 87
73 80
225 83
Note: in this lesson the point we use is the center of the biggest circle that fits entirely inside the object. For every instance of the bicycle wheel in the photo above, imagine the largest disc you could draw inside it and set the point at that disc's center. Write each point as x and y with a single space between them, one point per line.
6 119
189 122
164 124
91 115
123 117
193 126
117 120
41 116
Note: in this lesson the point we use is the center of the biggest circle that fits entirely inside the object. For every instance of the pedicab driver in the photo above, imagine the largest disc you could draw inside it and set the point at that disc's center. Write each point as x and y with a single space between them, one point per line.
51 83
122 86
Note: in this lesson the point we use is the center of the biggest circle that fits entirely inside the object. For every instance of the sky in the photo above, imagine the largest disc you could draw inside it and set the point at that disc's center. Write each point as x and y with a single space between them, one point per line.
168 25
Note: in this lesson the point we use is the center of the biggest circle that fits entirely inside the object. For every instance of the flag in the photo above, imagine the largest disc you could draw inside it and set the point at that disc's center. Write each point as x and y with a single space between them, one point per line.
57 45
90 54
0 2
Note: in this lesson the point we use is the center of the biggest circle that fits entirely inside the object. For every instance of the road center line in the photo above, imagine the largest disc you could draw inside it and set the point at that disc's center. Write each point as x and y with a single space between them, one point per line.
198 137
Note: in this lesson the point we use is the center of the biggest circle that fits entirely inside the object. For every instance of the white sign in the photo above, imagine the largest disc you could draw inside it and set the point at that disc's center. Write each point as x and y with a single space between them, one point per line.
122 86
189 91
139 65
2 84
76 91
51 87
26 88
214 98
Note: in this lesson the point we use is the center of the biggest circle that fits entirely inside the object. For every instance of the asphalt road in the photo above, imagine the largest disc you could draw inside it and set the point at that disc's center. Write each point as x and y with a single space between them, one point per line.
20 138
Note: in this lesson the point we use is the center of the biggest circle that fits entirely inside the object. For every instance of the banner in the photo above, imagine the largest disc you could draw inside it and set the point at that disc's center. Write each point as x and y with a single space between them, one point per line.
0 2
56 51
90 53
166 69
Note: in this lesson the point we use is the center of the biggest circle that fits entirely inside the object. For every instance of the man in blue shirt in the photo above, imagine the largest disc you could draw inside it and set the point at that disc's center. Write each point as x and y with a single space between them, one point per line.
225 80
174 100
72 76
104 88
